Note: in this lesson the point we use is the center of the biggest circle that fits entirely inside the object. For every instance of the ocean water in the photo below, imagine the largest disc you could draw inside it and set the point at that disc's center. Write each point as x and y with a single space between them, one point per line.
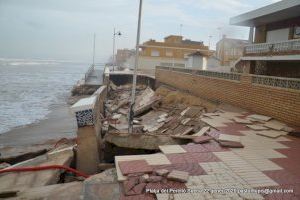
28 89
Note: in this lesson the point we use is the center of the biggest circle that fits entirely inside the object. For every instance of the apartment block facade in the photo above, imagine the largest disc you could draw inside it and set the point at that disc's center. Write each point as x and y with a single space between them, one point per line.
275 37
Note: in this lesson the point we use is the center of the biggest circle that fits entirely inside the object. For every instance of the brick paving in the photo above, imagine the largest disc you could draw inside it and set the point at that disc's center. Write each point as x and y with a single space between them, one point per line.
263 163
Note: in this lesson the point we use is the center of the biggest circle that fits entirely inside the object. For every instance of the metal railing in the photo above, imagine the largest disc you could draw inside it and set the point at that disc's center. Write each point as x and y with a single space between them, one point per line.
276 48
89 72
213 74
290 83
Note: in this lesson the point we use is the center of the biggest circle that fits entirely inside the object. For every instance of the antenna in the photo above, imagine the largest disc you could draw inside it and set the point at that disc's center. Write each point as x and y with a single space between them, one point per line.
209 39
220 33
180 28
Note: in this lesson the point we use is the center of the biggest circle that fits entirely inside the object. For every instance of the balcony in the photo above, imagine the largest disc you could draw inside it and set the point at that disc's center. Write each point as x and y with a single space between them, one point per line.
289 47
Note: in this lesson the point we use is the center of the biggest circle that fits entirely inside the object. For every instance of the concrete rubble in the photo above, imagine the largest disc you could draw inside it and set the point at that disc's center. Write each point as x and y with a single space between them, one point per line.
21 181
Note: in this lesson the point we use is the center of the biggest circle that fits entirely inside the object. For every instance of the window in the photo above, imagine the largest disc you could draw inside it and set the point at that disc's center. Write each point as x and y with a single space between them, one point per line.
154 53
297 32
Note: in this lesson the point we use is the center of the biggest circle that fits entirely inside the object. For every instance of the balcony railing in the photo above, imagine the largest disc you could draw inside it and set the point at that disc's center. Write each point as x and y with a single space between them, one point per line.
290 83
212 74
289 47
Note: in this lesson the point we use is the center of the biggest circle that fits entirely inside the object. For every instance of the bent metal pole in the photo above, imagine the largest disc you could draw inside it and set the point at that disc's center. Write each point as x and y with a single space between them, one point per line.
136 61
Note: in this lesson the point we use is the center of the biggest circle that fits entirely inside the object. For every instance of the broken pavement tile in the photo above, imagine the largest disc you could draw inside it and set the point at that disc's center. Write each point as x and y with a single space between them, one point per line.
154 179
187 131
130 183
259 117
139 188
144 178
179 176
202 131
273 124
185 121
202 139
193 111
242 121
135 166
257 127
211 114
271 133
231 144
229 138
162 172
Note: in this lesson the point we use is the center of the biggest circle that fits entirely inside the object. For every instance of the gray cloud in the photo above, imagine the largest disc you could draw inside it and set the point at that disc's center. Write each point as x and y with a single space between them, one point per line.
63 29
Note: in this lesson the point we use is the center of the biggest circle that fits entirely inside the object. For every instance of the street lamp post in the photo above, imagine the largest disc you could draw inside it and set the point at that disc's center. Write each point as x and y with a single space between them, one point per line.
114 44
94 49
136 61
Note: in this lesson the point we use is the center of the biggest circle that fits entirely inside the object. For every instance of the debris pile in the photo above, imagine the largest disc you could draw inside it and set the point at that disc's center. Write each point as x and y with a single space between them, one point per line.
153 115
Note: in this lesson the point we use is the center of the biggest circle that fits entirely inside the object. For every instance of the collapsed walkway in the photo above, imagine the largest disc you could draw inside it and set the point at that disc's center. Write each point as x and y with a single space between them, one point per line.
226 148
183 147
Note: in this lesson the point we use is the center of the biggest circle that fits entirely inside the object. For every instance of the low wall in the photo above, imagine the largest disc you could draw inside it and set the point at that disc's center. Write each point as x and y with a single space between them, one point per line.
123 78
101 94
272 96
89 138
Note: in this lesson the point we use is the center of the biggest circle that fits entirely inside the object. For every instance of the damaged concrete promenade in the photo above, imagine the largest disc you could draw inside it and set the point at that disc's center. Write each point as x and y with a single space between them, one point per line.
182 147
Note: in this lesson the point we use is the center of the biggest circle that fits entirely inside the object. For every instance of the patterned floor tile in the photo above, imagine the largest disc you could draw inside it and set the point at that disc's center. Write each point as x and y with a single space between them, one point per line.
283 177
194 169
192 157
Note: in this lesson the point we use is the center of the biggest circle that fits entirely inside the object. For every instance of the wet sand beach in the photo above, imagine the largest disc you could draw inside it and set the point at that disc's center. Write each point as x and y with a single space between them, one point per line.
58 124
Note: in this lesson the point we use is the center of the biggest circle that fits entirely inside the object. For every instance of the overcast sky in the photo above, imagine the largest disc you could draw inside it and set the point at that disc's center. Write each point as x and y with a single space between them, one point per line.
63 29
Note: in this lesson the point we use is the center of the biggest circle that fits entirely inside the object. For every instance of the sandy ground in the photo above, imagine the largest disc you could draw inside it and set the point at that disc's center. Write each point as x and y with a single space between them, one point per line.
59 123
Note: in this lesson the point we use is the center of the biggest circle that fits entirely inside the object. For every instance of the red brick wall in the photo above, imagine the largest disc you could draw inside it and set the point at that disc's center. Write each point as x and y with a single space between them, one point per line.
279 103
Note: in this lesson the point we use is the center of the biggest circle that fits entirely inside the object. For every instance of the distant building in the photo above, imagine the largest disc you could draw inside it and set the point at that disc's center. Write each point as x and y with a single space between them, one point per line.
202 61
229 50
172 52
122 55
275 32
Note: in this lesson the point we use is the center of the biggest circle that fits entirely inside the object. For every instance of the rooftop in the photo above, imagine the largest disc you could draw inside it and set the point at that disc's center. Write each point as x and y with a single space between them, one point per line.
279 11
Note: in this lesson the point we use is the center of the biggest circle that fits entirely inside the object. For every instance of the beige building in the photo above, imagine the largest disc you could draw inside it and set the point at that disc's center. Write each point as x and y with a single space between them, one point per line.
229 50
173 51
275 33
